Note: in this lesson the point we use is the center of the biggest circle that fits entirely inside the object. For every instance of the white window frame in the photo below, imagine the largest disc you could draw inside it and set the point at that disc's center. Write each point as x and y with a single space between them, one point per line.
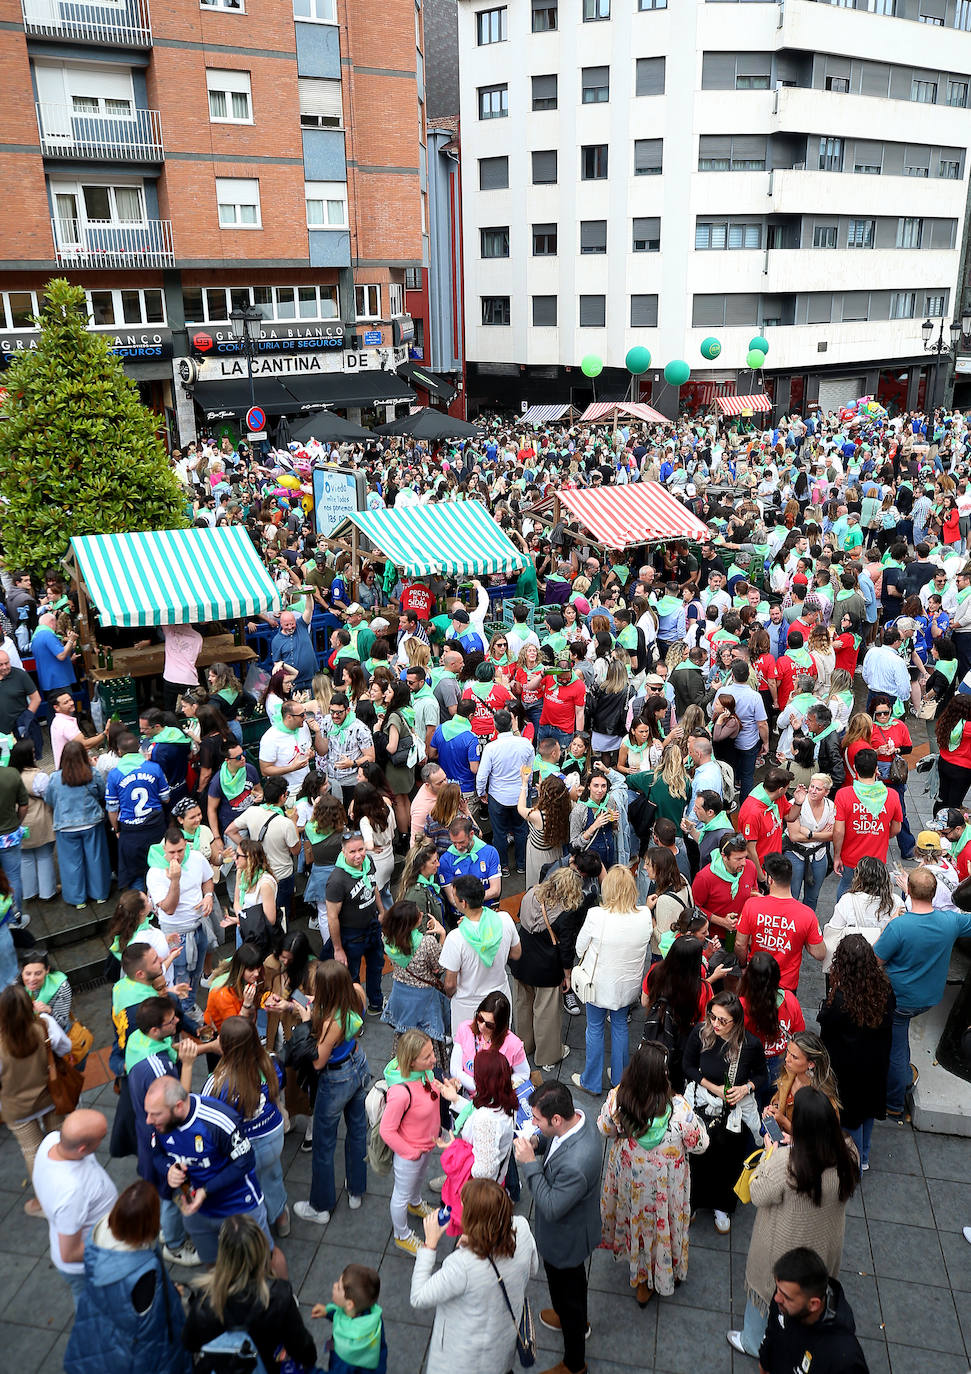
326 194
268 308
221 81
230 6
120 323
905 299
6 314
328 18
396 299
868 239
371 302
225 199
910 227
111 184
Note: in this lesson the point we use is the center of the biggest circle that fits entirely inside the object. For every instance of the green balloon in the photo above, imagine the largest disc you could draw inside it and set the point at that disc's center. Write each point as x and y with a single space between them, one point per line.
755 359
591 365
677 372
638 360
710 348
759 343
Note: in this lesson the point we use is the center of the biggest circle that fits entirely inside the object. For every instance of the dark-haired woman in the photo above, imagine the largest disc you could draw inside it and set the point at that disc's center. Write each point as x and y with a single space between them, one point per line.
953 734
413 942
487 1122
397 736
645 1203
800 1194
856 1025
676 994
25 1097
215 737
772 1013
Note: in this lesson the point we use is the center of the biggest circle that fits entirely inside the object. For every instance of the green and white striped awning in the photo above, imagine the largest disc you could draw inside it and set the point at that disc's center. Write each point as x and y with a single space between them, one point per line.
458 537
174 577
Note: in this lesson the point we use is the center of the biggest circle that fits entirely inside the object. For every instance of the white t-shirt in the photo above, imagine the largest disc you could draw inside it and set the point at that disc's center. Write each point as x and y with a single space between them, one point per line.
195 871
74 1193
475 978
280 747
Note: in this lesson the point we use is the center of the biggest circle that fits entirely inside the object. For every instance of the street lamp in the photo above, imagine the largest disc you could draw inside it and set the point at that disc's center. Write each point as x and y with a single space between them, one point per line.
956 329
247 327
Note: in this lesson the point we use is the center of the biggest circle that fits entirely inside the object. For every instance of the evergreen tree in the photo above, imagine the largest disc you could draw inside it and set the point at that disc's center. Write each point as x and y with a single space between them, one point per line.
78 450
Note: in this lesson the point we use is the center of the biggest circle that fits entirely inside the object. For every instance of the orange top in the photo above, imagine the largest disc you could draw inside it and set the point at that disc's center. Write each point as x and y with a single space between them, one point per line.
222 1003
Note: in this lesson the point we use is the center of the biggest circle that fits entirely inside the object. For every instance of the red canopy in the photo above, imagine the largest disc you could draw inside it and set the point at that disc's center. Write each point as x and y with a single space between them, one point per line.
639 513
606 410
738 405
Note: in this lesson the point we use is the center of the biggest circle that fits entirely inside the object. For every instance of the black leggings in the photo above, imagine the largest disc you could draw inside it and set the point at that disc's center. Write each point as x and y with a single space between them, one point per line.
954 783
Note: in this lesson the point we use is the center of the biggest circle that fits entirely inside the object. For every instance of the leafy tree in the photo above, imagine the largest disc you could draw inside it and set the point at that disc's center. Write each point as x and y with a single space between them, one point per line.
78 450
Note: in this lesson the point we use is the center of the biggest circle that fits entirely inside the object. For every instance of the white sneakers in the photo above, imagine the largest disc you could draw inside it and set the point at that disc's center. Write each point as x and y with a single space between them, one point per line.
723 1223
307 1213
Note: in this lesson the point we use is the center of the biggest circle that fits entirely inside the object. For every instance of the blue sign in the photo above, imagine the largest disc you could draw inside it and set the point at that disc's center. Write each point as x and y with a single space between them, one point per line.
255 419
372 336
337 492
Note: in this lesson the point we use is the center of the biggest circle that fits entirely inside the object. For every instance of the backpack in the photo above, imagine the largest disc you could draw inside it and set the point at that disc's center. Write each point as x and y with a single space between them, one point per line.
728 784
231 1352
660 1027
380 1155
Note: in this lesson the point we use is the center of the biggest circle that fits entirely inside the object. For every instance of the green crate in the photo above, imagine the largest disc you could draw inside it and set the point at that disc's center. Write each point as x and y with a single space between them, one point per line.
254 728
533 613
118 694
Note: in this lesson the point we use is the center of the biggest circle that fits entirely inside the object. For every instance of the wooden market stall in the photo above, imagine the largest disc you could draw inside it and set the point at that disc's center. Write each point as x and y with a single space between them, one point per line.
623 517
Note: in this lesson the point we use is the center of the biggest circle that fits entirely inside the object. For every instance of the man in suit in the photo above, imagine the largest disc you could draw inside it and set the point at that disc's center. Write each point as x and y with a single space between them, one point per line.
561 1168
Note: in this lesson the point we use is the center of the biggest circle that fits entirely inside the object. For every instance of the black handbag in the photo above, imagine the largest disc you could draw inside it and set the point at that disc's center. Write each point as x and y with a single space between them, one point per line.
541 964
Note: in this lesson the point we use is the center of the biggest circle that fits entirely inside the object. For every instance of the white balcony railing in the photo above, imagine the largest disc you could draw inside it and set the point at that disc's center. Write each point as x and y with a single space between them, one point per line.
106 243
67 132
121 23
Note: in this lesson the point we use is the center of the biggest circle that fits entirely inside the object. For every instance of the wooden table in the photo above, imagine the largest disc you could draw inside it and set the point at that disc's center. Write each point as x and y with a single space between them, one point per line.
150 661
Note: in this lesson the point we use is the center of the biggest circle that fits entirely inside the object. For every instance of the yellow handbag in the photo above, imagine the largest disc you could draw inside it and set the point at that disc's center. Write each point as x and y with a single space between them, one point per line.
743 1188
81 1040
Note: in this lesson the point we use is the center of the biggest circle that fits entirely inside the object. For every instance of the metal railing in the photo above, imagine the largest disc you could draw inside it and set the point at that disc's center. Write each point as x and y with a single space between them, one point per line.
106 243
67 132
126 23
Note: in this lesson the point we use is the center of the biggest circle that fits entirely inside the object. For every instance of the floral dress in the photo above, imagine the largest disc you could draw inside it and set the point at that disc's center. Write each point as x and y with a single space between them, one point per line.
645 1202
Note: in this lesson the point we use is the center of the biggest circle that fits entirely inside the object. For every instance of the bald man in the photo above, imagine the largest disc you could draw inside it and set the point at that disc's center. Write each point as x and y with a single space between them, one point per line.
53 656
74 1190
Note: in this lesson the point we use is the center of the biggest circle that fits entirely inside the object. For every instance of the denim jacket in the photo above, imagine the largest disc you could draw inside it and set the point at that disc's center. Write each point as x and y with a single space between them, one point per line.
75 807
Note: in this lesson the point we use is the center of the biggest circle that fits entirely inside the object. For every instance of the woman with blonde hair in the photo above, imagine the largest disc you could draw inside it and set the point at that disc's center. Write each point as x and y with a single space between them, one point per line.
806 1065
823 654
417 653
670 787
548 822
323 690
859 732
611 949
410 1127
538 979
839 698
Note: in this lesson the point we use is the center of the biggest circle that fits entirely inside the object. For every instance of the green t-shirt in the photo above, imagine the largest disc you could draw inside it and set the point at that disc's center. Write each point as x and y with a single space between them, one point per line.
527 587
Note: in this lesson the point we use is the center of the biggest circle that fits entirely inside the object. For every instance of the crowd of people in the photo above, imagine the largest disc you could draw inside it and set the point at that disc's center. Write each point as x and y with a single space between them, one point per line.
621 796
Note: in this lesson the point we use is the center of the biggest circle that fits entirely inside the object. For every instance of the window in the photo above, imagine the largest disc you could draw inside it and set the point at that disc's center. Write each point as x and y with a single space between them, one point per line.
650 76
321 102
855 305
931 12
238 199
911 171
824 236
652 4
544 92
490 26
593 236
326 204
962 15
949 170
212 305
230 99
317 11
396 299
595 85
493 173
731 153
840 84
869 169
544 311
413 281
236 5
716 234
934 306
593 162
751 80
544 167
495 309
820 308
544 16
643 312
493 102
593 312
647 235
98 205
831 155
111 108
957 93
16 309
367 302
909 233
595 9
903 305
735 71
712 311
647 157
860 232
924 92
117 308
544 240
494 243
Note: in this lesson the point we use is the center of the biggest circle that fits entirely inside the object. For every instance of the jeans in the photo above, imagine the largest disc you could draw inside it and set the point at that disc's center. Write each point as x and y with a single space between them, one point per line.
284 897
267 1151
753 1329
592 1076
10 861
899 1076
552 732
506 821
182 970
340 1093
860 1137
568 1295
82 856
807 877
37 872
618 795
28 727
363 944
173 1227
846 877
409 1179
133 846
905 839
76 1283
745 772
532 715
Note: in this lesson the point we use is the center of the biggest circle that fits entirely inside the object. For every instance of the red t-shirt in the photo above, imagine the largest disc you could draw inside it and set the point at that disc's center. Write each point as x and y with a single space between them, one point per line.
714 895
895 733
865 834
766 671
482 720
418 599
850 754
560 703
962 754
529 697
791 1020
787 671
780 926
962 860
757 822
847 652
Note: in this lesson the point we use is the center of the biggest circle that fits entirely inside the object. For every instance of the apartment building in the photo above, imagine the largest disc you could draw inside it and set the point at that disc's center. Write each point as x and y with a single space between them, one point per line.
217 156
635 173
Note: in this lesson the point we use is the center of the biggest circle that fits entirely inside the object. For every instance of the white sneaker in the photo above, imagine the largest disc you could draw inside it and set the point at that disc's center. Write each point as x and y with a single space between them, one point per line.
723 1224
20 922
313 923
734 1339
186 1255
564 1054
967 1234
354 1200
307 1213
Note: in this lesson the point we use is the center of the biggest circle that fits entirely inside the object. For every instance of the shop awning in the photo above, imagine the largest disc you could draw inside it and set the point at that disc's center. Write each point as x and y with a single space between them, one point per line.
544 415
174 577
453 537
341 390
739 405
619 517
635 410
224 400
439 387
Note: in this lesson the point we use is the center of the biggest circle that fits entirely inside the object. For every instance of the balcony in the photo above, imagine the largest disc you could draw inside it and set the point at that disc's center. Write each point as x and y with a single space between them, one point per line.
67 132
107 243
114 23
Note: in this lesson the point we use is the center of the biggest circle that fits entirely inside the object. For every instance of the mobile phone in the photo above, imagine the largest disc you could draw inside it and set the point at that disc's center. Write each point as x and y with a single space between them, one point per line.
772 1129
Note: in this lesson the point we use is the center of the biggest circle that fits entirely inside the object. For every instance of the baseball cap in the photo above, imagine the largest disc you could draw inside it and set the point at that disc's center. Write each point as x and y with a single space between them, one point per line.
801 579
355 607
582 605
461 616
929 839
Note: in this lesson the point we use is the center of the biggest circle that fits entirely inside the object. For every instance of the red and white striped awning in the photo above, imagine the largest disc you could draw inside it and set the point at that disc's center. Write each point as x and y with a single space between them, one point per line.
620 517
738 405
606 410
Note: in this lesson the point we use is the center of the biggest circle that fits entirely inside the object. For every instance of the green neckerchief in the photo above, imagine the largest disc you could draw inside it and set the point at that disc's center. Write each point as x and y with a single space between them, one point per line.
285 729
170 735
954 738
456 725
139 1046
845 697
395 954
872 795
482 690
719 821
129 762
818 739
802 658
802 702
477 844
888 562
500 660
243 887
544 768
484 936
759 794
668 605
362 872
956 847
571 761
440 675
156 856
48 989
724 637
720 871
424 693
336 732
621 572
357 1339
843 594
947 668
598 808
194 841
685 663
228 694
557 642
7 742
394 1077
655 1132
230 783
115 947
627 639
962 596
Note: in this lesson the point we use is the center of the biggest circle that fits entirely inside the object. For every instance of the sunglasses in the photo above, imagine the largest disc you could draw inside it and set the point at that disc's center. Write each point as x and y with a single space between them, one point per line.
720 1020
351 835
881 715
